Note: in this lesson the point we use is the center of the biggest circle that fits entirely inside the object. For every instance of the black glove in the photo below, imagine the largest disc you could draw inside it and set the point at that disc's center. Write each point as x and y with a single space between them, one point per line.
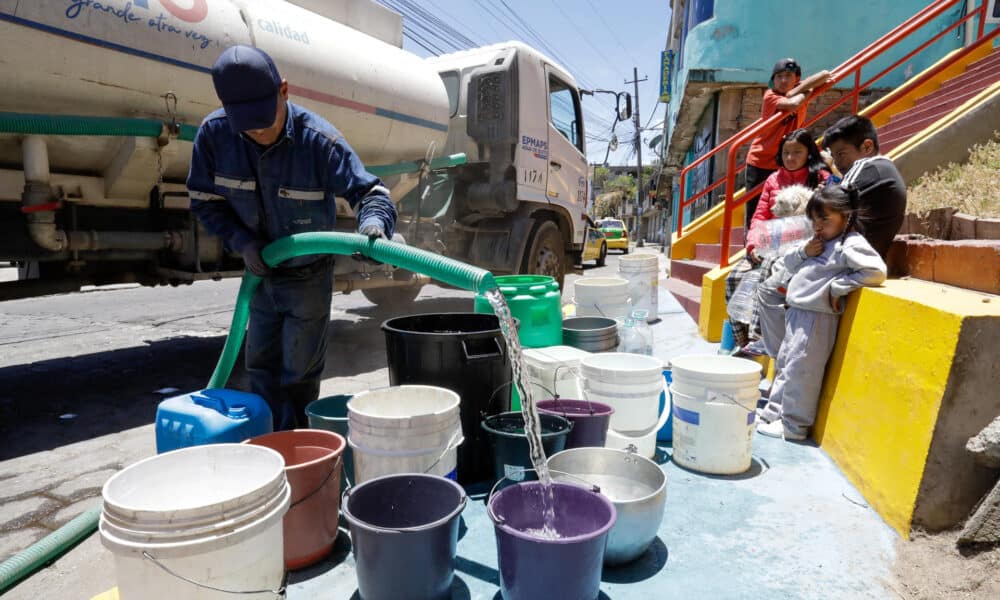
253 260
373 231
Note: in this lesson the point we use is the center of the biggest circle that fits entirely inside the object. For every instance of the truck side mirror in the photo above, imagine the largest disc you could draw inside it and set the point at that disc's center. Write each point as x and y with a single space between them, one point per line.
626 113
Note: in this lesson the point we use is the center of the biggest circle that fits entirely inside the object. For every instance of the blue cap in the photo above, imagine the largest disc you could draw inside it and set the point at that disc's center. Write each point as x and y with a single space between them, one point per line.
247 83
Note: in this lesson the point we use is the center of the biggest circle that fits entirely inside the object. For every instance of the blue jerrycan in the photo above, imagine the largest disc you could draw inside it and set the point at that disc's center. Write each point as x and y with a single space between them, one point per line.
210 417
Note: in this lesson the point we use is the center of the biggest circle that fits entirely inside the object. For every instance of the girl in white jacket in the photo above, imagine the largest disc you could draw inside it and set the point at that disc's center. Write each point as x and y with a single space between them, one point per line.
836 261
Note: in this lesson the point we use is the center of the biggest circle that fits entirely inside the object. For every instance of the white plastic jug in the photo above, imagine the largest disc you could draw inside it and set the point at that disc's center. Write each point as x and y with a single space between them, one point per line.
601 297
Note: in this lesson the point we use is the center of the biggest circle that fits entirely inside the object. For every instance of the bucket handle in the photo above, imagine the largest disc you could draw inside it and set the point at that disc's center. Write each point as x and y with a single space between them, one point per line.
472 357
461 507
320 486
278 593
728 398
489 403
668 407
489 498
456 440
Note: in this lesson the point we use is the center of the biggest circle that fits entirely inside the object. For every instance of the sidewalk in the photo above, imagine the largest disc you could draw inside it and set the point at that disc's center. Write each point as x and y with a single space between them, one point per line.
791 527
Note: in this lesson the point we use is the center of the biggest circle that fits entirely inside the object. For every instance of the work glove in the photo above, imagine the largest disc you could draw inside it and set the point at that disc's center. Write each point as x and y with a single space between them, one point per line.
372 230
253 260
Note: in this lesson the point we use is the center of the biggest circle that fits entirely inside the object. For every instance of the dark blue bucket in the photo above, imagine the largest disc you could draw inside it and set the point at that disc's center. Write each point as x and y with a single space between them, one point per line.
404 530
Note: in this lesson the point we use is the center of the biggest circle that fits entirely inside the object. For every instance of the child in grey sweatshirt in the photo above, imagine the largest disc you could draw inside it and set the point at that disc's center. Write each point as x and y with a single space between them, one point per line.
836 261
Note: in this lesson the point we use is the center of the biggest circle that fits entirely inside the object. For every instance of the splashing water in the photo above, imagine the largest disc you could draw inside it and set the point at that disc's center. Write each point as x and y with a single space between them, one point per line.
532 425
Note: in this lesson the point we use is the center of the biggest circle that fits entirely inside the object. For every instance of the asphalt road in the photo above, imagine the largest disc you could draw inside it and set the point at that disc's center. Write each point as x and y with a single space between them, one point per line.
80 378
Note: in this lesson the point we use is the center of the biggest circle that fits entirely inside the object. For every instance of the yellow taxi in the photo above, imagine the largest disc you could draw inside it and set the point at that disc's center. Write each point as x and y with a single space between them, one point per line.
615 233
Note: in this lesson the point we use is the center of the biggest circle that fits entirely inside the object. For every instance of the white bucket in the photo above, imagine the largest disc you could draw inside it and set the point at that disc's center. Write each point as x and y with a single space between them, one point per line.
629 383
642 273
554 370
601 297
715 400
644 443
404 429
209 514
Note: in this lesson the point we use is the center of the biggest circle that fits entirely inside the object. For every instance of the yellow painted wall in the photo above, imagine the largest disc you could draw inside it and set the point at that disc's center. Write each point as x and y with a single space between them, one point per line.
884 385
712 311
706 229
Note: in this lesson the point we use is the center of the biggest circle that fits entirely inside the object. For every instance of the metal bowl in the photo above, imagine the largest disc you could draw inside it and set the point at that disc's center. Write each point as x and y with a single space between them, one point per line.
636 485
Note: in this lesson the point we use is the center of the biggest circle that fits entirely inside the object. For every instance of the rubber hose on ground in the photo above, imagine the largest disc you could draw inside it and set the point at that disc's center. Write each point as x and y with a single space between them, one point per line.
435 266
47 549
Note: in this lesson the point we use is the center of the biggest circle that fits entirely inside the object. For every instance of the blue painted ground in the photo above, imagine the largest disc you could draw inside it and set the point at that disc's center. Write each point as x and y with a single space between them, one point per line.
792 527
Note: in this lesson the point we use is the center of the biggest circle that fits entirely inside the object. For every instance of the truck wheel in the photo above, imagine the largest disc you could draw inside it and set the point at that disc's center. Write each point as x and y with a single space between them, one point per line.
392 296
602 258
546 254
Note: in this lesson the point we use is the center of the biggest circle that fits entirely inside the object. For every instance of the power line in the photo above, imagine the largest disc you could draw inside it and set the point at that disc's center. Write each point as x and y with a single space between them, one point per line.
613 36
583 34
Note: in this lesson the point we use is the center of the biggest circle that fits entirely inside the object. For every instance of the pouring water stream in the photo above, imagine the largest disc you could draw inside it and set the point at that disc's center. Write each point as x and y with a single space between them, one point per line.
532 427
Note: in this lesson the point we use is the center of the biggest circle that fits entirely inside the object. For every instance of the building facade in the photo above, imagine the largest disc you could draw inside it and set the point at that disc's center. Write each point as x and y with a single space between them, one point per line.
720 55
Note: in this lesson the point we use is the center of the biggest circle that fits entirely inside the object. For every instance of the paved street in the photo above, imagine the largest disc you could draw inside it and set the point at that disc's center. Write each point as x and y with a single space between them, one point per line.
81 375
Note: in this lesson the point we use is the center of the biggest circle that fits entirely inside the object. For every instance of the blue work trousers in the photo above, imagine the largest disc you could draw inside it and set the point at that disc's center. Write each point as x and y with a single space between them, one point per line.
286 340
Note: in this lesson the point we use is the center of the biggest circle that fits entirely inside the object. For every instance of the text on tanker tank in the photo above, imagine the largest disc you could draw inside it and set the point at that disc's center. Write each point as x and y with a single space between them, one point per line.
127 14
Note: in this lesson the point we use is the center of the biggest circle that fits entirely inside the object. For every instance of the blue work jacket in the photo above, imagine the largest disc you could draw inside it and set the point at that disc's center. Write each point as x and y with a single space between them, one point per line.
243 192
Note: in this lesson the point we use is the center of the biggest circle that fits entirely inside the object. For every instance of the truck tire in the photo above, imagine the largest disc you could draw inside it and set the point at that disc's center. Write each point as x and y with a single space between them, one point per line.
392 296
546 253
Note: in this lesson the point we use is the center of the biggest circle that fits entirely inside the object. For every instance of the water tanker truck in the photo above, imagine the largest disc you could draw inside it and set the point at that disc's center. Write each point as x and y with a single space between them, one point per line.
483 149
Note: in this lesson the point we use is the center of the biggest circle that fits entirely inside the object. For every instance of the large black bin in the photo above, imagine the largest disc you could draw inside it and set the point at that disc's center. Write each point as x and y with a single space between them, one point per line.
466 353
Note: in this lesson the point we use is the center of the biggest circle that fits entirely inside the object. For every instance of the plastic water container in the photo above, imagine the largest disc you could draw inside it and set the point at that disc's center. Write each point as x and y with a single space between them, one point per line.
714 403
211 416
601 297
534 300
404 429
554 370
202 522
642 273
629 383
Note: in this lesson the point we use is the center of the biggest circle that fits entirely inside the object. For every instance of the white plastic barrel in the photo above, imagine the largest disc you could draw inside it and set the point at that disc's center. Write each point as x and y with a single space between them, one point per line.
404 429
714 406
629 383
601 297
554 370
195 521
642 273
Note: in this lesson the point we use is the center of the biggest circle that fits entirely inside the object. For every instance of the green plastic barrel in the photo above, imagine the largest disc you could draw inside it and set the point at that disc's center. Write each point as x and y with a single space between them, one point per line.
535 301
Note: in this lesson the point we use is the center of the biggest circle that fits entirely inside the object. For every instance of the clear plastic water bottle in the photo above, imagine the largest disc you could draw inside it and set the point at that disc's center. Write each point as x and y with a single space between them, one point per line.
644 331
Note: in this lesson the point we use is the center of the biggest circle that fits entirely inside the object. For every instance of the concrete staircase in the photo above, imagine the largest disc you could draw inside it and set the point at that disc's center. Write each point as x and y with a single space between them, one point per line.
685 275
928 109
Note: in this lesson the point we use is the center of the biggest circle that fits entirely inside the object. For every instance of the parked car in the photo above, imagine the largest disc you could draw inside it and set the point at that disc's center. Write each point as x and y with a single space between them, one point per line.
615 233
595 247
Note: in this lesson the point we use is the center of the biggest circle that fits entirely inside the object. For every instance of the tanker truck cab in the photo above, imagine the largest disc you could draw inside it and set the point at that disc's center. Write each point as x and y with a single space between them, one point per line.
517 205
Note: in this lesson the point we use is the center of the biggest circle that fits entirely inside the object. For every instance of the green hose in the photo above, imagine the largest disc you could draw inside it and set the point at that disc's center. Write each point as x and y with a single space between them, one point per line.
47 549
443 269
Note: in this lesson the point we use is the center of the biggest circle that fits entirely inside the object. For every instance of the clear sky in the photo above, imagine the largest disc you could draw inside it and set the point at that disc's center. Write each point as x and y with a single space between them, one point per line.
597 41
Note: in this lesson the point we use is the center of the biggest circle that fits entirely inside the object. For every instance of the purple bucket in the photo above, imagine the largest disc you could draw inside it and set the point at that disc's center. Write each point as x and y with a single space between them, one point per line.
590 420
533 567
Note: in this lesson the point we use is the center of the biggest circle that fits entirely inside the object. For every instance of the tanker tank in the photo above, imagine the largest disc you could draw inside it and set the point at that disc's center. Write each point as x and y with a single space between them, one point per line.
119 58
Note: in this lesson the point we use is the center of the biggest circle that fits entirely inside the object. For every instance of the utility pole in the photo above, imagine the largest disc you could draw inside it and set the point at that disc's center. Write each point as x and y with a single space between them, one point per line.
638 151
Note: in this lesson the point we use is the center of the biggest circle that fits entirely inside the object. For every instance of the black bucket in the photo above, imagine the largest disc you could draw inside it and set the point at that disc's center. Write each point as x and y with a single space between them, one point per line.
511 456
463 352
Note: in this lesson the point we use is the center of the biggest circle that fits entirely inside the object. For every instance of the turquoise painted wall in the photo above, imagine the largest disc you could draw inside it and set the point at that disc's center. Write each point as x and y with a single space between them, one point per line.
743 39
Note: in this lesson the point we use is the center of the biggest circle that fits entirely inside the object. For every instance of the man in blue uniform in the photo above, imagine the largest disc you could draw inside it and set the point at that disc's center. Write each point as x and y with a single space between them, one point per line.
262 169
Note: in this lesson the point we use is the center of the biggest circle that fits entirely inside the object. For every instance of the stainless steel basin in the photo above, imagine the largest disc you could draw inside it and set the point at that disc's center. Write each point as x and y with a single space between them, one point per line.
636 485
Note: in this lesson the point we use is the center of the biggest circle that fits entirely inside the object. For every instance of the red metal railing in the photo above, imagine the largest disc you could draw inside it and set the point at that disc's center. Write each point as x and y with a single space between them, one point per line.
850 67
